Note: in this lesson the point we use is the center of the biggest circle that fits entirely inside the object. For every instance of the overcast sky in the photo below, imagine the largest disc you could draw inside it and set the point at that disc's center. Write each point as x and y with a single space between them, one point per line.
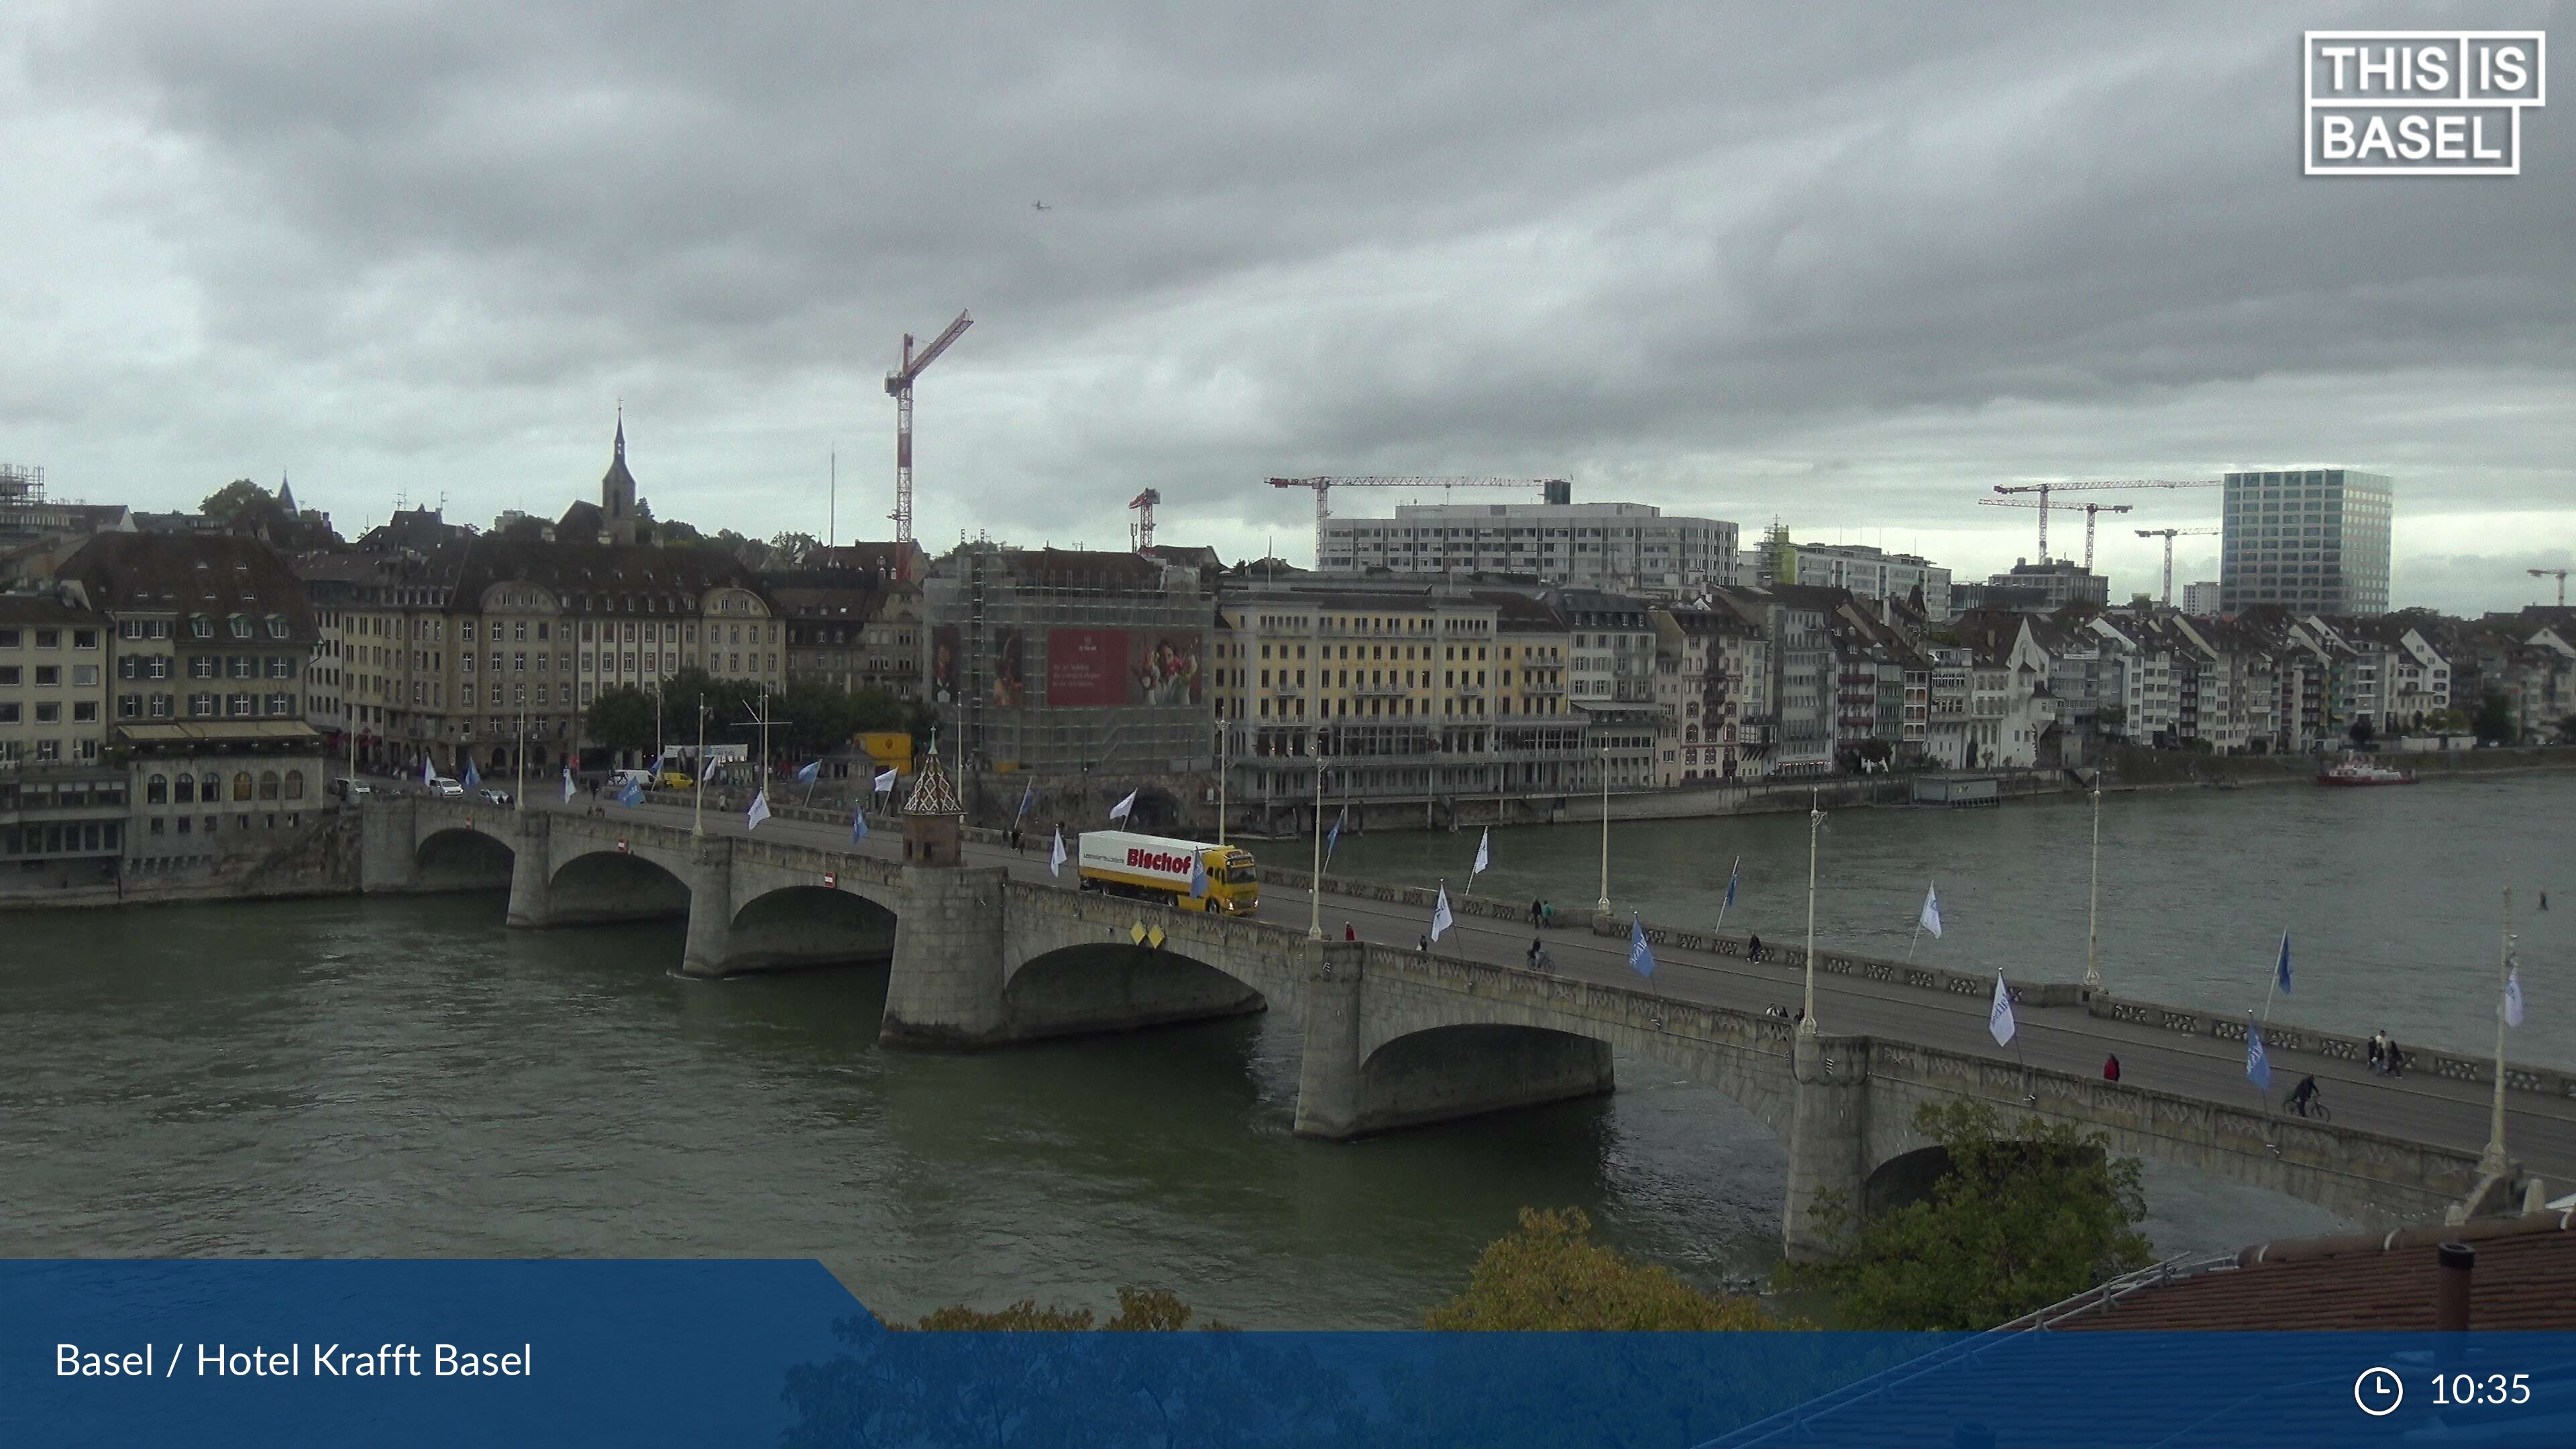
1847 265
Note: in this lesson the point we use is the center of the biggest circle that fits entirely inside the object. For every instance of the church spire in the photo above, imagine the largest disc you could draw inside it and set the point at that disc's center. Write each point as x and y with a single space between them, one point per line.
285 494
621 428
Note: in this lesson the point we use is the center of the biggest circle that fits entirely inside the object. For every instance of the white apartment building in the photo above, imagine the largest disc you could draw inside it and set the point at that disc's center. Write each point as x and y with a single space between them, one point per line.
2201 600
1631 547
1873 573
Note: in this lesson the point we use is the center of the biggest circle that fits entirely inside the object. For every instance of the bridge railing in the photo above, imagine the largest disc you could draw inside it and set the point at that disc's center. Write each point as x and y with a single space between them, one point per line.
2278 1037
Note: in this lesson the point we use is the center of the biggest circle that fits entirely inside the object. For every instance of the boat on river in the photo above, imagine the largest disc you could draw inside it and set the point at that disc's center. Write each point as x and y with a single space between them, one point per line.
2356 768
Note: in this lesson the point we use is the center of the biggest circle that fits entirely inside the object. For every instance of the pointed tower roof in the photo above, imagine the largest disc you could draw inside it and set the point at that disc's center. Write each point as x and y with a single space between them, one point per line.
932 793
617 474
285 494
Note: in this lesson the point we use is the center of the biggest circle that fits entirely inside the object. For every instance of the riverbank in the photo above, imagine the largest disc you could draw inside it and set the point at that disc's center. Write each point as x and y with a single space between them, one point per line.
2133 768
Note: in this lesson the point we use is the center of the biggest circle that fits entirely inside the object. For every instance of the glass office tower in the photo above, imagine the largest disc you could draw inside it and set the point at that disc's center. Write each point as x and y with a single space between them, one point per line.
2314 541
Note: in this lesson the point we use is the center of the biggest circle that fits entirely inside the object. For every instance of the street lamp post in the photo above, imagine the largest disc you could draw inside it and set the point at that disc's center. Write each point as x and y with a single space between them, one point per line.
2093 907
2491 1163
1220 777
519 791
698 806
1815 829
1602 906
1315 882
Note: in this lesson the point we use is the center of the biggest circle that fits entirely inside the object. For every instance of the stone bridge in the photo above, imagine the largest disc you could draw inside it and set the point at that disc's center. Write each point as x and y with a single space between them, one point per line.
1392 1038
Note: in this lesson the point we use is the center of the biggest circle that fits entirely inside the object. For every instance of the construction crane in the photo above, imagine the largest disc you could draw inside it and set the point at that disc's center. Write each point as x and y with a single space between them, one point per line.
2045 489
899 387
2169 535
1551 490
2043 505
1144 503
2558 574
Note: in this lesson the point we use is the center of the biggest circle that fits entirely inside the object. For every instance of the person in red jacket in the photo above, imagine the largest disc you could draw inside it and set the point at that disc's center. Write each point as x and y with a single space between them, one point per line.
2111 1069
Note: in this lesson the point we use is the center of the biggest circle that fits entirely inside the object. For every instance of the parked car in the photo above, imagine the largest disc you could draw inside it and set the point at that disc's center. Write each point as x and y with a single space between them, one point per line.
492 796
446 788
674 780
345 788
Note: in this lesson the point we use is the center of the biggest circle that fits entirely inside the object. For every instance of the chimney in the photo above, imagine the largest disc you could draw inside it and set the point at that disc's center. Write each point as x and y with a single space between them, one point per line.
2451 1298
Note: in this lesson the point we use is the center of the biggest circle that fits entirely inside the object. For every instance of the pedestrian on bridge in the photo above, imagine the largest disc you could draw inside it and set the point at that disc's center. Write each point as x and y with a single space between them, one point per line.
1538 912
1753 947
2111 1068
1350 932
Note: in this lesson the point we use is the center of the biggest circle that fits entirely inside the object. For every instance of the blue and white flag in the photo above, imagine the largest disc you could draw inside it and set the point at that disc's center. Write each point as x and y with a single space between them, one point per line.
810 773
1641 957
1120 810
567 774
1028 792
759 811
1441 920
883 783
428 776
1930 920
1999 1017
1484 855
2513 995
2258 1067
858 826
633 794
1733 872
2281 972
473 776
1198 876
1333 837
1055 862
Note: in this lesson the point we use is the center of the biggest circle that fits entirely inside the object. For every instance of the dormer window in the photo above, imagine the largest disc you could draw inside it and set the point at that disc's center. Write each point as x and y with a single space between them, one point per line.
200 626
238 626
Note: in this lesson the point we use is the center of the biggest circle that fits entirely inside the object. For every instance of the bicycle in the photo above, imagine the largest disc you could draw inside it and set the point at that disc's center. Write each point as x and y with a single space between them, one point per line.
2314 1111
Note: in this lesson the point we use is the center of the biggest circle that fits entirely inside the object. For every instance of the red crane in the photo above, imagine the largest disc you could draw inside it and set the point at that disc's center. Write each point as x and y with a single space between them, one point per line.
2044 489
1549 489
1144 503
899 387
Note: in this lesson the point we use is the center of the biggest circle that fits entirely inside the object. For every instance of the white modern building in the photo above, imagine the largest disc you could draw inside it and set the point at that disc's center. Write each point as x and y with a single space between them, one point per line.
1875 574
2315 541
1628 547
2201 600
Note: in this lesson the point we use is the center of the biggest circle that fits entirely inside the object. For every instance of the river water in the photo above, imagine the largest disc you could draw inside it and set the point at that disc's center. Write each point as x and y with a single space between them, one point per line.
406 1077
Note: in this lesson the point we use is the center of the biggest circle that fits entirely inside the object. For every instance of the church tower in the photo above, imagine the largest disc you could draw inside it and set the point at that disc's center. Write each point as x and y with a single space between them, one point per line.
617 492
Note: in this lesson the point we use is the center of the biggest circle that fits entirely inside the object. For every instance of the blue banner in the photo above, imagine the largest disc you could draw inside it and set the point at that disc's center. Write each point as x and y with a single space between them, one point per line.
780 1355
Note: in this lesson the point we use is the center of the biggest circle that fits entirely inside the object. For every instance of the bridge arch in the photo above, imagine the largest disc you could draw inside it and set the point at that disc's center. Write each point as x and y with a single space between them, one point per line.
1443 1073
1113 985
809 925
612 885
462 858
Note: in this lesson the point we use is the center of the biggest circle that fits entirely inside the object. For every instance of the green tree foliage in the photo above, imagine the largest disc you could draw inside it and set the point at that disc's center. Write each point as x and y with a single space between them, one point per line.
232 498
2020 1221
1550 1275
792 547
2567 730
2361 732
676 534
1140 1310
2494 722
620 719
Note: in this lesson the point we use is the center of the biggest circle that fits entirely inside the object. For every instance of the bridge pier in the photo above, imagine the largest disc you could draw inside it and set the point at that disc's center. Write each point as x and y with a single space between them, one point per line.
388 844
1828 1146
945 988
710 906
531 872
1328 1068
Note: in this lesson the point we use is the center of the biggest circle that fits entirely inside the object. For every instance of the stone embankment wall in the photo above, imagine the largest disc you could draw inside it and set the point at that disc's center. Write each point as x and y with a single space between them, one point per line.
317 858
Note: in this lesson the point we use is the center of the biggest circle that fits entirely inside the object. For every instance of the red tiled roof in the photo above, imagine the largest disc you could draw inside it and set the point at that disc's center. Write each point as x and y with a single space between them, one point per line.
2525 1279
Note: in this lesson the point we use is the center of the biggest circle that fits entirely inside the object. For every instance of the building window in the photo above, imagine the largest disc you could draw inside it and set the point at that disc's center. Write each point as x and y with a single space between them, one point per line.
242 785
156 791
295 784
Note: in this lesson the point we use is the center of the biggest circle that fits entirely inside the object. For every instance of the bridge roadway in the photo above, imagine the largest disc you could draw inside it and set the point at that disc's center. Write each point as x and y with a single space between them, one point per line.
2540 1130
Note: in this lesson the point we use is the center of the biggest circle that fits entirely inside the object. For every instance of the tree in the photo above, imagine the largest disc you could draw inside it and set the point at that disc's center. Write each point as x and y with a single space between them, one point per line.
2361 732
2114 719
1550 1275
793 547
232 498
620 719
2494 722
2018 1222
676 534
2567 730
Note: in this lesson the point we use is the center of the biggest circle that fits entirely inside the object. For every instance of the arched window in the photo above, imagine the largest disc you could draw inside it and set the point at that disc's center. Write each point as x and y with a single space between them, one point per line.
211 788
241 785
1690 735
187 789
268 785
156 791
295 784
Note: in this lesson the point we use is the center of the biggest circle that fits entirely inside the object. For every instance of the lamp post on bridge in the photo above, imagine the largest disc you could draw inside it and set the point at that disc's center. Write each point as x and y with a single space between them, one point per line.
2093 906
1315 882
1815 829
698 806
1221 741
1602 906
2492 1163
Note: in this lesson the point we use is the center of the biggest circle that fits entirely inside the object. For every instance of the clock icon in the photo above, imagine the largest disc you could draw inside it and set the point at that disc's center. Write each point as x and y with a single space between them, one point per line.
2378 1391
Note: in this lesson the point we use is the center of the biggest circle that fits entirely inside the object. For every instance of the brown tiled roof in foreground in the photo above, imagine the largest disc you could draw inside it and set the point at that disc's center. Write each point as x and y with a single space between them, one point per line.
2525 1279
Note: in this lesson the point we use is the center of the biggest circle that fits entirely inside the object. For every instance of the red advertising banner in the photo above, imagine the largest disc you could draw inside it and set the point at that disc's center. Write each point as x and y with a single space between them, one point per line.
1086 667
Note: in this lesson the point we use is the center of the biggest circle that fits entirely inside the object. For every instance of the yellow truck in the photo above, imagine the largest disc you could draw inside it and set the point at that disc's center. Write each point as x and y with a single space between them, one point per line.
1167 872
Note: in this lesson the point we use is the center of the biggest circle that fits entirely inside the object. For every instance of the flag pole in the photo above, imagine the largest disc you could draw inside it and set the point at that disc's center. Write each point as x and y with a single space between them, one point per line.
1729 898
2275 990
2262 1094
2492 1162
